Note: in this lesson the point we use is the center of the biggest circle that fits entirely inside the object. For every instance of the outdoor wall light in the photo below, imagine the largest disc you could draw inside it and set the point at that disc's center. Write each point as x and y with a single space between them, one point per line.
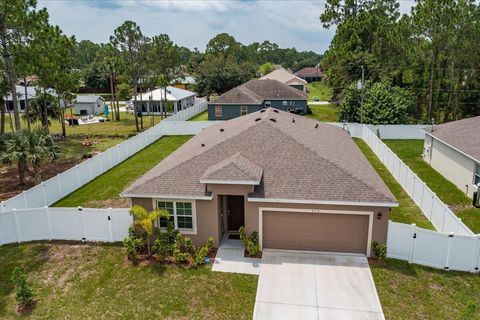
379 216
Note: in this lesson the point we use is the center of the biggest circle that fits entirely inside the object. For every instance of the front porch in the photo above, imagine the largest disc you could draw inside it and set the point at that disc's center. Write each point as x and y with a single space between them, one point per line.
230 258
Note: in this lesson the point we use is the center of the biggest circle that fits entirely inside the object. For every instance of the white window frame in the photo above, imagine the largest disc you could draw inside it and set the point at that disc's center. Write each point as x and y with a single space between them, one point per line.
218 112
476 173
285 103
243 110
194 215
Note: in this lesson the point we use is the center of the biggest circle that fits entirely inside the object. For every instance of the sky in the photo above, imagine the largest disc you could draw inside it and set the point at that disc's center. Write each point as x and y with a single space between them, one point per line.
192 24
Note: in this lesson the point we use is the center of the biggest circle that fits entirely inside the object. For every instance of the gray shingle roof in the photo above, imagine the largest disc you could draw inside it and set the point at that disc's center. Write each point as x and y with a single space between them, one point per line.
462 135
235 168
301 160
256 91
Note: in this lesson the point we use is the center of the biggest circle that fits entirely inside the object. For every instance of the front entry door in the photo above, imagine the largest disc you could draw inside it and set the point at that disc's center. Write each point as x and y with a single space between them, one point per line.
235 212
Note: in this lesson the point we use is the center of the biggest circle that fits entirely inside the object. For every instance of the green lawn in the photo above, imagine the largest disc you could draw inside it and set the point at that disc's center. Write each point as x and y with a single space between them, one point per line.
104 190
92 281
319 90
410 152
409 291
407 211
324 112
200 117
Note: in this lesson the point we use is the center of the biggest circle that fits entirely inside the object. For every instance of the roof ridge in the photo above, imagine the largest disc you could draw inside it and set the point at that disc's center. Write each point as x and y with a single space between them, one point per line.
240 154
328 161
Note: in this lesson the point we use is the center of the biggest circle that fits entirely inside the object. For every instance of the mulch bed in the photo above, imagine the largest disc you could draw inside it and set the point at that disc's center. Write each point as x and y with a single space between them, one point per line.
144 259
258 255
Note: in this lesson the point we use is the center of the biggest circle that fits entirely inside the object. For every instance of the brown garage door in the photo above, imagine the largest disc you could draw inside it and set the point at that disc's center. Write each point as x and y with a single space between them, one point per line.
315 231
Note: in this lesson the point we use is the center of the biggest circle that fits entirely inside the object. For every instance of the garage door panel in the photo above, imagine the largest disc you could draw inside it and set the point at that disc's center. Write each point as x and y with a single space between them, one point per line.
315 231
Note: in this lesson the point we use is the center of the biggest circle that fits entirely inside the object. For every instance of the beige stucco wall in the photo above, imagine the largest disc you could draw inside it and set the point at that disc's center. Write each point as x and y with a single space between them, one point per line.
454 166
210 213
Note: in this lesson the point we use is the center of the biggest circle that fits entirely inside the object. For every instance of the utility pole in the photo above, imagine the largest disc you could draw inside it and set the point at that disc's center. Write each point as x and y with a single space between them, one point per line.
363 90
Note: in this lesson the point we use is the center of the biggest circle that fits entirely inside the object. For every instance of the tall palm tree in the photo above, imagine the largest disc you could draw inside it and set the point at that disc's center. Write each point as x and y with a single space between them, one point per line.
29 147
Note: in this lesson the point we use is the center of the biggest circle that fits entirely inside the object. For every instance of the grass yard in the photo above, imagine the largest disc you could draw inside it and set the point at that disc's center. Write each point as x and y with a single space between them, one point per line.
200 117
104 190
324 112
409 291
410 152
92 281
407 211
320 90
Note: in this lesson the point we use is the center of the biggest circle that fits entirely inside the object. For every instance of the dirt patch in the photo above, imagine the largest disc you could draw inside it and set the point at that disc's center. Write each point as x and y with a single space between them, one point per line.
109 203
258 255
9 186
459 207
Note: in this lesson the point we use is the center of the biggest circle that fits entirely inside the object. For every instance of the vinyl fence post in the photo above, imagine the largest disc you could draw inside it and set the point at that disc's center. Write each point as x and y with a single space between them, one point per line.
449 248
477 255
413 188
412 244
110 223
431 211
49 223
89 161
60 189
25 199
1 233
444 216
82 223
77 169
42 184
17 226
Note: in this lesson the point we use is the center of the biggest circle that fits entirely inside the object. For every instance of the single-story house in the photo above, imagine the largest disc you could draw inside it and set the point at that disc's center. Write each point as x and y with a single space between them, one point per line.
185 82
302 184
287 78
89 104
20 91
255 95
453 149
310 74
152 101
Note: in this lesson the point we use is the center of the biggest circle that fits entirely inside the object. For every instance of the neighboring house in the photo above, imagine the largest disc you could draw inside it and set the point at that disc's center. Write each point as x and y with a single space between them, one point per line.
31 94
288 78
300 183
310 74
89 104
153 101
255 95
184 83
453 149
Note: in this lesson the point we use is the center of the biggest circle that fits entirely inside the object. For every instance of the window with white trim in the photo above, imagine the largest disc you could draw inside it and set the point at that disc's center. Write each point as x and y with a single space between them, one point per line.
243 110
476 176
285 103
181 214
218 111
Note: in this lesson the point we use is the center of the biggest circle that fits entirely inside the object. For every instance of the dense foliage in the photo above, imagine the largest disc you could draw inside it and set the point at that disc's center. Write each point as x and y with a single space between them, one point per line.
382 104
432 53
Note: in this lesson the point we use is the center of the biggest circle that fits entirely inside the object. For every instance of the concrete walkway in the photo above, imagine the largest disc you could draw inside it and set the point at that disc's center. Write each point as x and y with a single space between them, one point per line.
299 285
230 259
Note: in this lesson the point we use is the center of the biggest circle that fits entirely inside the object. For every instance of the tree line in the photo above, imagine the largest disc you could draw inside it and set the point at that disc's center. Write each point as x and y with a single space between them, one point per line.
425 64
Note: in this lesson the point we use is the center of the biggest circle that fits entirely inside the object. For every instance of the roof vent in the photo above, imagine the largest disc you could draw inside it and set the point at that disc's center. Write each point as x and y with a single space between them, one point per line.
262 111
273 119
275 110
221 130
293 120
203 144
258 119
316 126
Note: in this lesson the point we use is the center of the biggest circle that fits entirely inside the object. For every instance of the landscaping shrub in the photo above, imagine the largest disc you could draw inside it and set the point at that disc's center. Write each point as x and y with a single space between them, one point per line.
24 293
380 251
179 250
203 252
251 243
132 245
189 246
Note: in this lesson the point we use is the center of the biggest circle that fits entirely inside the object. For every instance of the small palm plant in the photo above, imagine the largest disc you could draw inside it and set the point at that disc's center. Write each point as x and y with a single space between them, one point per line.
29 147
146 220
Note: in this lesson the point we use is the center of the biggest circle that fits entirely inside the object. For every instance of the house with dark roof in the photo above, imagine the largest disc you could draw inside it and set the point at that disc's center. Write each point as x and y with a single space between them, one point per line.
302 184
255 95
453 149
310 74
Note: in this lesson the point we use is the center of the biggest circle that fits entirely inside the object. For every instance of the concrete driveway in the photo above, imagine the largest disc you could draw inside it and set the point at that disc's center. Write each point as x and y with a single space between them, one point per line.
300 285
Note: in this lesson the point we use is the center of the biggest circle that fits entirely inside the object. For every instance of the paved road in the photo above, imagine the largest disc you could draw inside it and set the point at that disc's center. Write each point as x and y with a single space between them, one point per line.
295 285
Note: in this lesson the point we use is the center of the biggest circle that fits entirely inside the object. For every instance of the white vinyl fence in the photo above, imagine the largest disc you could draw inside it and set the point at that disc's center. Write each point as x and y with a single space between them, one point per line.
448 251
54 189
443 219
189 113
107 225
